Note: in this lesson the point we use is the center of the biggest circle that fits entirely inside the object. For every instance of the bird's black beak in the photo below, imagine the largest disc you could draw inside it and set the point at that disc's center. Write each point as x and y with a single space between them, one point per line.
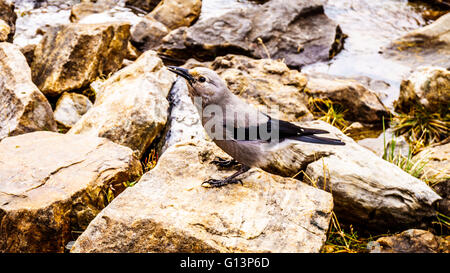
183 73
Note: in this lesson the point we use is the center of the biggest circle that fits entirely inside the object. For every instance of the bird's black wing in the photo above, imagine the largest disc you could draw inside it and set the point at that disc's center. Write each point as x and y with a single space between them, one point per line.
279 129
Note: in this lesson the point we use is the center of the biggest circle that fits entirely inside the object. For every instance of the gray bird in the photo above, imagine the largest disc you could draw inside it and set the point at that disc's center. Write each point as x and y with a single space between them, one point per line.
243 132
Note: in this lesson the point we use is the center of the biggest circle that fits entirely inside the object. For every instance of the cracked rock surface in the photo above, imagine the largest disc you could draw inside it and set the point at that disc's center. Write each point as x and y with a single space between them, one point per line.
52 184
268 213
366 189
23 108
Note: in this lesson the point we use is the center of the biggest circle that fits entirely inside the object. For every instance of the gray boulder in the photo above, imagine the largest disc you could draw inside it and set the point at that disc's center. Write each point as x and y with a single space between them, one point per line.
297 31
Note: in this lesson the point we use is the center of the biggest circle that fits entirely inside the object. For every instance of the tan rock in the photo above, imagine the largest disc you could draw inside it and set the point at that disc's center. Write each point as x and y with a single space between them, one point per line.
266 84
52 184
28 52
148 33
8 15
437 158
360 103
427 87
176 13
72 56
86 8
412 241
443 189
169 211
70 108
168 15
23 108
4 31
131 106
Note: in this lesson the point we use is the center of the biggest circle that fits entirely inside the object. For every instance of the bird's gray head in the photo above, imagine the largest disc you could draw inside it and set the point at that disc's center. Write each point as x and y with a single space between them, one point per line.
203 83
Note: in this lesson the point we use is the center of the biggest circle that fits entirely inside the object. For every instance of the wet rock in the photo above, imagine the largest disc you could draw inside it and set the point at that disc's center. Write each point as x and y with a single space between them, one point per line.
145 5
267 213
70 108
131 106
297 31
429 45
367 190
413 241
427 87
52 184
72 56
23 108
4 31
8 15
177 13
268 85
360 103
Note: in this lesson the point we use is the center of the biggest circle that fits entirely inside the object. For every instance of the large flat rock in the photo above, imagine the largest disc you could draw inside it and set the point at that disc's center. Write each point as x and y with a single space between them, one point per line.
169 211
52 184
367 190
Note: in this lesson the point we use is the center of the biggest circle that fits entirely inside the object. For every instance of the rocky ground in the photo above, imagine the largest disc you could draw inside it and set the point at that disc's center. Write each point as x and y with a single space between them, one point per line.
102 150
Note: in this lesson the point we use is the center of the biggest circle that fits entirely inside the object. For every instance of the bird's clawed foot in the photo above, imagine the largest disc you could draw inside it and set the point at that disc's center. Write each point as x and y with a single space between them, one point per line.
216 183
224 163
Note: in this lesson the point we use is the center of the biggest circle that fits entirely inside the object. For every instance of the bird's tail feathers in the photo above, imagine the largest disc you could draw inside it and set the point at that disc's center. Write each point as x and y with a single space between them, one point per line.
319 140
309 131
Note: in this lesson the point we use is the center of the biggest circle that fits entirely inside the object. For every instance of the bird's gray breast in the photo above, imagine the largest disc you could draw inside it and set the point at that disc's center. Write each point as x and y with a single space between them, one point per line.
249 153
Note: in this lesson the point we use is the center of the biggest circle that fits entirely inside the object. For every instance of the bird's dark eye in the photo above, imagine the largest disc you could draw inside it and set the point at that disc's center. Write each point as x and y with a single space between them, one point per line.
202 79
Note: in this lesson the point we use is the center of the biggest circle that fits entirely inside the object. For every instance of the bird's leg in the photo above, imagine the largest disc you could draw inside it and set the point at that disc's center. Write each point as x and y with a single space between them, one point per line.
224 163
214 183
